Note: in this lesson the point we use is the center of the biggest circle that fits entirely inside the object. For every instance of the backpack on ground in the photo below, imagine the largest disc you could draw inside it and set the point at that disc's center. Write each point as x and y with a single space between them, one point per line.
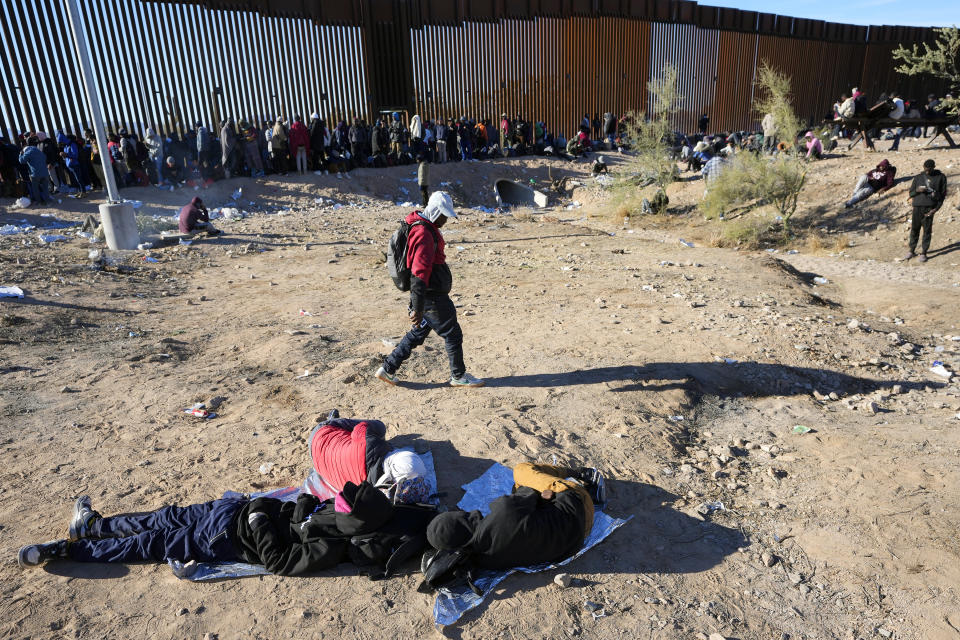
397 253
848 108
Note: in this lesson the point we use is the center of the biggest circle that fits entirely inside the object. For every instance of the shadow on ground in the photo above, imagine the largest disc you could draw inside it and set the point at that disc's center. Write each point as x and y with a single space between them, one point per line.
755 379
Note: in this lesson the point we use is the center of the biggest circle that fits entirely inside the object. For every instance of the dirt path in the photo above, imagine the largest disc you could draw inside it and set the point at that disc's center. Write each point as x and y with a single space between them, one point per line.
680 371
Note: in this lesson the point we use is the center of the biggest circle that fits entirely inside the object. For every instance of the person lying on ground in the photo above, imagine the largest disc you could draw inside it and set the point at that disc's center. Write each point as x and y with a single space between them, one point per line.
344 450
360 525
194 218
878 180
430 307
546 519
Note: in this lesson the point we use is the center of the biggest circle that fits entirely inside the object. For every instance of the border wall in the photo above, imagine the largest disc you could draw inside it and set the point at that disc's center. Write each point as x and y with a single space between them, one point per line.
171 64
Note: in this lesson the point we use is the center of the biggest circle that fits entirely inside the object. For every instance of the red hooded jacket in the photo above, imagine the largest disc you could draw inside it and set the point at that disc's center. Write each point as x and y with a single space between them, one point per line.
349 451
299 137
882 177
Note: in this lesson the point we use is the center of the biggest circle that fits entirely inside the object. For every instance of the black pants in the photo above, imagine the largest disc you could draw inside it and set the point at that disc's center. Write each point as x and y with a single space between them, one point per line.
440 315
922 219
425 191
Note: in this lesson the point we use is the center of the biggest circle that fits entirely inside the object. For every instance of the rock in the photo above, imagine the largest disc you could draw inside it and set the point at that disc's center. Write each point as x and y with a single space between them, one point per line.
854 324
562 580
600 302
591 606
768 558
795 578
804 589
211 636
182 611
897 389
66 390
884 632
834 396
871 408
717 636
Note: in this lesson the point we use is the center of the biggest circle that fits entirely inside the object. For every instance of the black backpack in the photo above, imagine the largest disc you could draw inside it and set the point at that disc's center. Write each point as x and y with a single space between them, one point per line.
397 253
380 553
446 569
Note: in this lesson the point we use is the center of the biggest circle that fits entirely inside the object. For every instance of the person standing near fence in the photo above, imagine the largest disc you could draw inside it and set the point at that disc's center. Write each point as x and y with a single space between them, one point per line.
299 144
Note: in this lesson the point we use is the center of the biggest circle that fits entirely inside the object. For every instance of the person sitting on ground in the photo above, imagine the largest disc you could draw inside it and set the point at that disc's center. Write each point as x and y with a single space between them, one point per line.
599 166
194 218
814 147
546 519
878 180
345 450
712 170
172 173
360 525
927 193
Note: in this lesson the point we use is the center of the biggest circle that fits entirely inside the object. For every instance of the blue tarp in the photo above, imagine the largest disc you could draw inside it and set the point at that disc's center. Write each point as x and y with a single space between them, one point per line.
495 482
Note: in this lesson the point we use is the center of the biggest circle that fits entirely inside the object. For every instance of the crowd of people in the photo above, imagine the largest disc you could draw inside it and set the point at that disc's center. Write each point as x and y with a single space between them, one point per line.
36 166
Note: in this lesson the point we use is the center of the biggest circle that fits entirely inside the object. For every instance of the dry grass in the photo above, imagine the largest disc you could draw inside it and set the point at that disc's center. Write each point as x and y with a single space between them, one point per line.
841 243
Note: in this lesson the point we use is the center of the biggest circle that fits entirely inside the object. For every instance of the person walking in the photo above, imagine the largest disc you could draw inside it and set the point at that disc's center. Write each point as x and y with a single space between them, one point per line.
36 161
430 284
927 193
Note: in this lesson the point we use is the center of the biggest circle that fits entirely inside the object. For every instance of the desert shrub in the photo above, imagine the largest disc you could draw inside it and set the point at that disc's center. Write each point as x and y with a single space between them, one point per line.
650 137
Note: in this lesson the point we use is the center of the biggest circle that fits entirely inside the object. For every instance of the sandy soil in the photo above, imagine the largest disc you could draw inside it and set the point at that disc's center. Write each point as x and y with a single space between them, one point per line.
680 371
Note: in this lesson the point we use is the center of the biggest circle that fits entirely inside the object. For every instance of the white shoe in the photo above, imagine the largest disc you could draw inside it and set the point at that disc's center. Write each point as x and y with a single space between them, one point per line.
389 378
466 380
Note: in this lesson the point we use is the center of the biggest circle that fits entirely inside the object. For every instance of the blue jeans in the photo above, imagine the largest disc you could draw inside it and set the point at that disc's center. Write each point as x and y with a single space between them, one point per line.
440 315
40 189
197 532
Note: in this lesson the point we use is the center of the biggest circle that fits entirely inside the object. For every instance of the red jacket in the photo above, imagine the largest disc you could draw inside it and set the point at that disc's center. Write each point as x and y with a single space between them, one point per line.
349 451
299 137
424 247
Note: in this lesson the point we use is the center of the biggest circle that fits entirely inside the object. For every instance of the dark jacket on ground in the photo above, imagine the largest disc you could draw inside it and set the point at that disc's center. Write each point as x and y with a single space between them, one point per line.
523 529
936 192
309 535
429 274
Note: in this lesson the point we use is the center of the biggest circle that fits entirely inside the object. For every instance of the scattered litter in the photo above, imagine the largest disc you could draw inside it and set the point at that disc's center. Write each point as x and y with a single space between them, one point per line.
306 374
186 243
771 251
145 245
710 507
676 418
199 411
801 429
406 203
149 259
48 239
11 292
685 243
939 369
574 205
236 195
304 312
604 180
484 209
592 606
792 252
84 234
821 280
21 203
136 204
725 360
388 343
266 468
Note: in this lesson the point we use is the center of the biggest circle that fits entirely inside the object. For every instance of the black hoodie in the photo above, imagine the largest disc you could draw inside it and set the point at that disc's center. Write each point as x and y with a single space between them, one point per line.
309 535
933 197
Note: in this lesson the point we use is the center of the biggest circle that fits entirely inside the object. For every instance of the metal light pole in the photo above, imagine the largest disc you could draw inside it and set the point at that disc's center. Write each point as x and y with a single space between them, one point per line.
118 218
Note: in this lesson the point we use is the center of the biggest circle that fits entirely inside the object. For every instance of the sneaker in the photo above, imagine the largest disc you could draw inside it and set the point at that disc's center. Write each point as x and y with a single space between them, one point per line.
910 255
593 482
389 378
36 554
466 380
83 519
922 258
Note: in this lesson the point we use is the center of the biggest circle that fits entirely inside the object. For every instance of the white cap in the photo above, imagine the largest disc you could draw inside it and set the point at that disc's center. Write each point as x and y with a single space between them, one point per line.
440 204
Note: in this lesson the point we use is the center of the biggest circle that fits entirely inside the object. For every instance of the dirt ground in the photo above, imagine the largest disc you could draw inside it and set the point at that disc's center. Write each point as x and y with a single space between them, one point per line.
680 371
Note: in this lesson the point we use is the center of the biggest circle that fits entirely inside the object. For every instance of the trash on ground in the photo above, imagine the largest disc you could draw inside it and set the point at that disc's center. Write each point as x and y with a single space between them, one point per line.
801 429
48 239
939 369
265 468
199 411
306 374
821 280
304 312
686 243
11 292
149 259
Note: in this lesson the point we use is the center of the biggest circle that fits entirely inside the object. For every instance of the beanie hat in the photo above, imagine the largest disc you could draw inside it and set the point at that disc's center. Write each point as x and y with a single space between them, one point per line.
450 531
